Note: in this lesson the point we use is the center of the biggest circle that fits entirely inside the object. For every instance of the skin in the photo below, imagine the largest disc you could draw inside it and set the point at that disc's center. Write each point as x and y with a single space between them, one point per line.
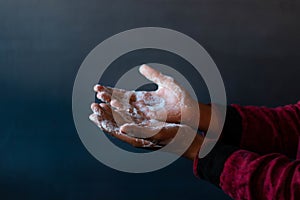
149 119
151 135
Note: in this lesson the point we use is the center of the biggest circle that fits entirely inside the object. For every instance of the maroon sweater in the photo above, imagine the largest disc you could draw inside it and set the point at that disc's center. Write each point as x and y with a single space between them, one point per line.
265 163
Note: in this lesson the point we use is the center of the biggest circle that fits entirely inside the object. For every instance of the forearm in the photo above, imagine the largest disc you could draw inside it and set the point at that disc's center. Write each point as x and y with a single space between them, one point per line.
266 130
246 175
252 176
205 116
259 129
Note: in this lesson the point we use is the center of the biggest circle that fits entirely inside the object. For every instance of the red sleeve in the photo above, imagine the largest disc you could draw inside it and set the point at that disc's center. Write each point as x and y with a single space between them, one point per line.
247 175
266 130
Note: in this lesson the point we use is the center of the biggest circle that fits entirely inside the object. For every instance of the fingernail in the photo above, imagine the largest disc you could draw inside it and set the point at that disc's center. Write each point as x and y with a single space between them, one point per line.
95 108
98 88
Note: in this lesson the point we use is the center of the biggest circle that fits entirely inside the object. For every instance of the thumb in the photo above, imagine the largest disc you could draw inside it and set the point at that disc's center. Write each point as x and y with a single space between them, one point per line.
138 131
155 76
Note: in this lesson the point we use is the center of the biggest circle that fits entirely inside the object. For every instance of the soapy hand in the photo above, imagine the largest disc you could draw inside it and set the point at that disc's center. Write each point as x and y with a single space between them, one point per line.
142 132
169 103
105 119
150 119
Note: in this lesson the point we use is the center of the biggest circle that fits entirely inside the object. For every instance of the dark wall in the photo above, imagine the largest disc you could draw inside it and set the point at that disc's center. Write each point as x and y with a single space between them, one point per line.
254 43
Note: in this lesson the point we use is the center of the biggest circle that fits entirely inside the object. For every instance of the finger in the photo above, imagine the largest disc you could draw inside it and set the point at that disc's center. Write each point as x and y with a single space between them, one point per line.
122 98
107 125
120 117
117 93
104 96
138 131
94 118
118 98
101 112
105 107
152 133
101 88
96 108
97 120
136 142
155 76
116 104
104 93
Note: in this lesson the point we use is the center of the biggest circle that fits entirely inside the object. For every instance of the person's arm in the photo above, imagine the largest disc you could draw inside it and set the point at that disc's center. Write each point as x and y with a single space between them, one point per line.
265 130
246 175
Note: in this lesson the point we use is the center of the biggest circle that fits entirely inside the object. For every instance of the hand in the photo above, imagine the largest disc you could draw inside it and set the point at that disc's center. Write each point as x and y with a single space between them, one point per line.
142 132
170 102
104 118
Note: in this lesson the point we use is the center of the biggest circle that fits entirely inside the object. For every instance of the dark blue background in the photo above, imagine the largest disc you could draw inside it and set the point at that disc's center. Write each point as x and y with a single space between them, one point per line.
42 44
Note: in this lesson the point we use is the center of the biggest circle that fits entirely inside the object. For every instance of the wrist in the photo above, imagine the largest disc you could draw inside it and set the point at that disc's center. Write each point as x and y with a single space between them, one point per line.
205 116
202 114
193 150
